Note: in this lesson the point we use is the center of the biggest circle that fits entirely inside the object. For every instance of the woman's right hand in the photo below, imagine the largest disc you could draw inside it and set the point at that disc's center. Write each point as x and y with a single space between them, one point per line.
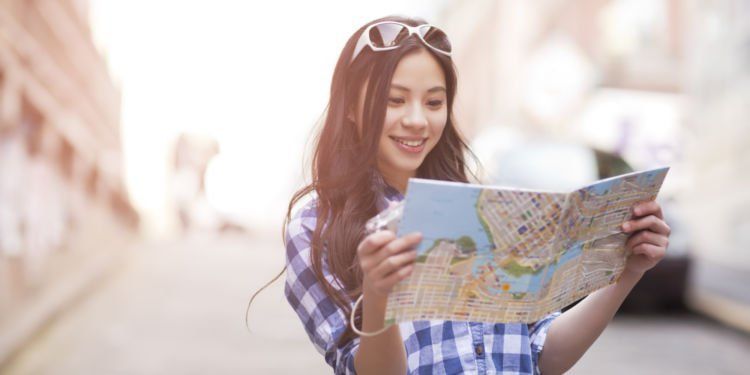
386 260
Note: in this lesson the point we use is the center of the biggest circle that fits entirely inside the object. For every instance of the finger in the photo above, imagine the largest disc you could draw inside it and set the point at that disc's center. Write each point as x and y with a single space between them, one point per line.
650 222
653 252
648 208
393 247
646 236
389 281
393 263
374 242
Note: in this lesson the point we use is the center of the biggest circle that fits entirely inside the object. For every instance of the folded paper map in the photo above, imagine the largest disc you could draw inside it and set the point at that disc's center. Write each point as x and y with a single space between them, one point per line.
495 254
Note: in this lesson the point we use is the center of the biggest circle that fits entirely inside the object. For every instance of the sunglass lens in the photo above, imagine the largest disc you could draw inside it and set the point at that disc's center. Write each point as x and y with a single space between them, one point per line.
435 38
388 35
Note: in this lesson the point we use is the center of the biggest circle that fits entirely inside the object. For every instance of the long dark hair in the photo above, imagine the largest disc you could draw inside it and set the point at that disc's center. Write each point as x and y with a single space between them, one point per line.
344 172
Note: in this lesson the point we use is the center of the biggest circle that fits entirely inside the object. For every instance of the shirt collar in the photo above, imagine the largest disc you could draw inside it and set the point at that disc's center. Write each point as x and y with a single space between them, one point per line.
387 193
392 194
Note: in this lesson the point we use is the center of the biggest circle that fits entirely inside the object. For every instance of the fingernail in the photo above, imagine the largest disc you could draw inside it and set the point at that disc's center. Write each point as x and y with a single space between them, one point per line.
626 227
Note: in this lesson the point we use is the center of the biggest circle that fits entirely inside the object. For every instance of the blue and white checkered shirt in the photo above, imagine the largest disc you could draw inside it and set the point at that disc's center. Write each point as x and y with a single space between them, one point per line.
432 347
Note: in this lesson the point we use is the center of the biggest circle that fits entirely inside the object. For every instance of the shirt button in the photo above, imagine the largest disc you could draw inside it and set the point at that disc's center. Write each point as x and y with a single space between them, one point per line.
479 349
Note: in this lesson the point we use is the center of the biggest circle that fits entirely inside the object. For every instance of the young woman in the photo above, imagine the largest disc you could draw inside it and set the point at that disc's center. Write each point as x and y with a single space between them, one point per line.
390 118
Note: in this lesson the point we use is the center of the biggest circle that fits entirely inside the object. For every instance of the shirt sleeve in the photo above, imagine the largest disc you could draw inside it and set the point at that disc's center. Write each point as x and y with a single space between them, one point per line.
537 336
324 322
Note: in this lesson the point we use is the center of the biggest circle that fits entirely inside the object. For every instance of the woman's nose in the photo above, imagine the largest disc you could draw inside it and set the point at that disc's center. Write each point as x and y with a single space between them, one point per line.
415 118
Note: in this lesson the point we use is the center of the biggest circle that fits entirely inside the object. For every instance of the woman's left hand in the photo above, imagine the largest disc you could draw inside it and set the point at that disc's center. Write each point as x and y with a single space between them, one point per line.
648 237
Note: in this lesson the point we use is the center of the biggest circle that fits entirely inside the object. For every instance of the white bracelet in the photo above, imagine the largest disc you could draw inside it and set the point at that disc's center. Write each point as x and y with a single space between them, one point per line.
354 327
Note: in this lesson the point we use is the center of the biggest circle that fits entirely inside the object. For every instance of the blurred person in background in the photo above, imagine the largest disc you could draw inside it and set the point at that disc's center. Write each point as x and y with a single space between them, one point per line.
44 210
12 165
191 157
193 154
389 118
33 212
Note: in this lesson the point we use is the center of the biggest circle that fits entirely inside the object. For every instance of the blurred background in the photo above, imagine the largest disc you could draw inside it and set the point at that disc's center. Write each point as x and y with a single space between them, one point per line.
148 150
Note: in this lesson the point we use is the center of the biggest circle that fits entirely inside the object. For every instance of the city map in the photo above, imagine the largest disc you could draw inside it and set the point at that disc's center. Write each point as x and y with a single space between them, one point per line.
492 254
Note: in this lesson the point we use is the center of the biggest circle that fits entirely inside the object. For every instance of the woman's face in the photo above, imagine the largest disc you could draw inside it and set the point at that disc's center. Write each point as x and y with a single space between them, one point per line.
415 117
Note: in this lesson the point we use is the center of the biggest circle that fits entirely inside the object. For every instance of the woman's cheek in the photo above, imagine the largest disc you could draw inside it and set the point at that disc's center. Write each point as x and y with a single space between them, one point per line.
438 123
392 116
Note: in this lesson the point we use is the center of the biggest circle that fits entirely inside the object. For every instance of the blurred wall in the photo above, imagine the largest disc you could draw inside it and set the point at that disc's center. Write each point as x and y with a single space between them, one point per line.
63 208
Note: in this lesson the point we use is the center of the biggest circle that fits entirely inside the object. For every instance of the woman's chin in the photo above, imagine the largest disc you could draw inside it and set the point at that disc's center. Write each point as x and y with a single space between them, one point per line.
409 168
400 167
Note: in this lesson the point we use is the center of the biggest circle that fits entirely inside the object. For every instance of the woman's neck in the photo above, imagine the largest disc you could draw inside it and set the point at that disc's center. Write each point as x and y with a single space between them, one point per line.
398 180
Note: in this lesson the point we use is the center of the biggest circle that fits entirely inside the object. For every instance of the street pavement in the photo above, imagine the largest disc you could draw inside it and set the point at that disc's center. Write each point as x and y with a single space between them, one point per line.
177 307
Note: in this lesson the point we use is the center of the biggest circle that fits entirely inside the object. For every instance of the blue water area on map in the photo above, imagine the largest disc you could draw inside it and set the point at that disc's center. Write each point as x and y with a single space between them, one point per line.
443 211
651 176
534 282
602 187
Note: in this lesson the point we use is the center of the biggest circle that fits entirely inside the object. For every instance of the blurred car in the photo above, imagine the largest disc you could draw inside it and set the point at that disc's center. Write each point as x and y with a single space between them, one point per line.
564 166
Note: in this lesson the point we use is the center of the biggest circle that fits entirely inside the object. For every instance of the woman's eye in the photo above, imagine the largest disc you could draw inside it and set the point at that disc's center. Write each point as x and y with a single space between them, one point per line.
435 103
396 100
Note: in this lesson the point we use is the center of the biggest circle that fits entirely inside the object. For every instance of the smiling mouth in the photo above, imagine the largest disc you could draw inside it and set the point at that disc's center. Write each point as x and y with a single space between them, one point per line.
409 145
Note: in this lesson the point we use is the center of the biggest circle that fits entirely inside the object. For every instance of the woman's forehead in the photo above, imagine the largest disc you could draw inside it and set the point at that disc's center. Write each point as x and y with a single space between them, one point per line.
418 72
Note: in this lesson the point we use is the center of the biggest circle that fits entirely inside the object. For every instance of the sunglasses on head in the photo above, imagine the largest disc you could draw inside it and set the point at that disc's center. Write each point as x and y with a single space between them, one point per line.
388 35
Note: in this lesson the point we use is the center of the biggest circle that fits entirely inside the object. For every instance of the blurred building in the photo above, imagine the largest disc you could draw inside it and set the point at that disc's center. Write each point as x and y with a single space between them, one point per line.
64 213
658 82
718 155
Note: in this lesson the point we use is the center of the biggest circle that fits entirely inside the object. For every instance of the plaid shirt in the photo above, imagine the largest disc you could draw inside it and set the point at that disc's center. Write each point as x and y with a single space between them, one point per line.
432 347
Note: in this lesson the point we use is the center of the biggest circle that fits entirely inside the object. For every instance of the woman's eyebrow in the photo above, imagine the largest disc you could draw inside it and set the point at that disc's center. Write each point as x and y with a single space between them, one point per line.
403 88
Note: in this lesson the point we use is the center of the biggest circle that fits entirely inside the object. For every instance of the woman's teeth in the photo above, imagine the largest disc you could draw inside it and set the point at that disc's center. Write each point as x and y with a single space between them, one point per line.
410 143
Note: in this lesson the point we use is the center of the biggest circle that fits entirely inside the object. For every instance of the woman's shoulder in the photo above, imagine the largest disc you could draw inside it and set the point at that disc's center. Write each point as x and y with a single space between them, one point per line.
303 216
